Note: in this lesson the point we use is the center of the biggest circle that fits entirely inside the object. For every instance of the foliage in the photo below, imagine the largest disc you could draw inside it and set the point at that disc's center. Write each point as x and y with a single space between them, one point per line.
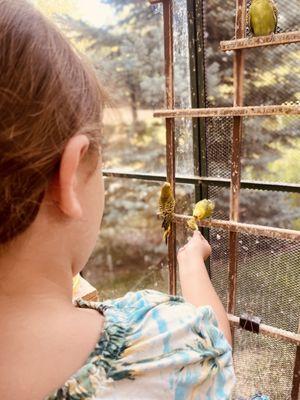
128 54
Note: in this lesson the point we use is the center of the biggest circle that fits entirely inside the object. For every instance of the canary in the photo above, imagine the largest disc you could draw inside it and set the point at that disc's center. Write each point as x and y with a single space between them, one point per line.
203 209
263 17
166 208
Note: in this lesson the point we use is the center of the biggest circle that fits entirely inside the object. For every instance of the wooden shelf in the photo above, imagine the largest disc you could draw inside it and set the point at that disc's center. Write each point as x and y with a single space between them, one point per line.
261 41
229 111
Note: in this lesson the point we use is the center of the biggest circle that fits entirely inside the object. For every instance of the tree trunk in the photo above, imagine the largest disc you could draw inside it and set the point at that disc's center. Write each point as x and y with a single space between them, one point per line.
134 108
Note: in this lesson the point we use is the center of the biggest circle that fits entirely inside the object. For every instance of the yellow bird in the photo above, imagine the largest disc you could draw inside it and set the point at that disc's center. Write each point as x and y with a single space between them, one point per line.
166 207
263 17
203 209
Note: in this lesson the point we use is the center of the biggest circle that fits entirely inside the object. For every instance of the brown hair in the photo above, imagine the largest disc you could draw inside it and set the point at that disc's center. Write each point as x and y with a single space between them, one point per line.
48 93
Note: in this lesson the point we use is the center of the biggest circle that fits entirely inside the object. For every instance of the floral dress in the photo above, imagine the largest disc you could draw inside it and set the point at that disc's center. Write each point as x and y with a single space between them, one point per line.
154 346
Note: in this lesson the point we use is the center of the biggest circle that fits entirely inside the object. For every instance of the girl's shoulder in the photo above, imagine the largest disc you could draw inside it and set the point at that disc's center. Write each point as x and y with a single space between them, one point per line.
40 351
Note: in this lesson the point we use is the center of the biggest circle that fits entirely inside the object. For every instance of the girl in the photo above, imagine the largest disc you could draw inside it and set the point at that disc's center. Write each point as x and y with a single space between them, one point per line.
146 345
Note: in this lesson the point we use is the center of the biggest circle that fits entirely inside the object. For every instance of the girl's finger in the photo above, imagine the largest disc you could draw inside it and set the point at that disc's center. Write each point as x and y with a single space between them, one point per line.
199 235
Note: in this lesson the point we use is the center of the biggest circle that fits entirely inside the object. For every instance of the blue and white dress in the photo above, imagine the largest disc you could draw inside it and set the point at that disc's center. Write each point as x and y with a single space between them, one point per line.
154 346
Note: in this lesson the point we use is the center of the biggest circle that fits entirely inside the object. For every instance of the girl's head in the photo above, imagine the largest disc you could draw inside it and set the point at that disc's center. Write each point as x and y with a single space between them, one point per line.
50 125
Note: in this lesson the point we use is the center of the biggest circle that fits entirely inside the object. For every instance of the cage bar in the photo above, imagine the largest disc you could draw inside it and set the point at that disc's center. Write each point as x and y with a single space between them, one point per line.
248 111
270 331
296 373
237 112
235 174
195 19
262 41
203 180
170 131
240 227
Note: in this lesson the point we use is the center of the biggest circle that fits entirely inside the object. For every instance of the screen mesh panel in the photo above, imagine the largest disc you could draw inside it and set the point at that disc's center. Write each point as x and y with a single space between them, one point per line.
264 365
268 277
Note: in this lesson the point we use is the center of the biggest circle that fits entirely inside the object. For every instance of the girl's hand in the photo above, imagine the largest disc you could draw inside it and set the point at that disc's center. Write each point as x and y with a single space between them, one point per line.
197 249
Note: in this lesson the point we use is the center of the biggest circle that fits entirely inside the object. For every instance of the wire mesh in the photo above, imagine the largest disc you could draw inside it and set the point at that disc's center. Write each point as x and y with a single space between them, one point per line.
268 269
271 148
270 208
130 254
268 280
219 260
220 196
263 365
218 146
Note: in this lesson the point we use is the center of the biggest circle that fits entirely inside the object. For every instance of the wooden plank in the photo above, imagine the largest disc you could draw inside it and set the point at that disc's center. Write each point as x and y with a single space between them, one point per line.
270 331
248 111
240 227
262 41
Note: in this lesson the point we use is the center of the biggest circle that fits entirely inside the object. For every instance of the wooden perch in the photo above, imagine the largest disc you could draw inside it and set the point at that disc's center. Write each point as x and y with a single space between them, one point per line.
249 111
270 331
251 229
155 1
261 41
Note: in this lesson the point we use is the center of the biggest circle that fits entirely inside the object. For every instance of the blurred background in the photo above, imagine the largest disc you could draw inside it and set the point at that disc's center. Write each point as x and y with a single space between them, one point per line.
124 40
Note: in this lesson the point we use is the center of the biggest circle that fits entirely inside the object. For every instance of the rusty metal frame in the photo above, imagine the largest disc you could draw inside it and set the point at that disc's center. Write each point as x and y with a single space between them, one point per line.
262 41
195 22
239 227
170 132
296 373
271 331
203 180
235 186
237 112
170 129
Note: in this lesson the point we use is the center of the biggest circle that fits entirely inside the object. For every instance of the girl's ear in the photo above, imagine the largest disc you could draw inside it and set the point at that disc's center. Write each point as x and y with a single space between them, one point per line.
67 196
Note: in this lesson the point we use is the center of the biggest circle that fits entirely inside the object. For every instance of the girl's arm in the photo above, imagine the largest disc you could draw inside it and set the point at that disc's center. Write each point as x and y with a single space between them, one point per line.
195 283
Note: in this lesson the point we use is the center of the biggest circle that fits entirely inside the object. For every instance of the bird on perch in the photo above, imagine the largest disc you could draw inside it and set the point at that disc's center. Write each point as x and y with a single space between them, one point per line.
263 17
203 209
166 208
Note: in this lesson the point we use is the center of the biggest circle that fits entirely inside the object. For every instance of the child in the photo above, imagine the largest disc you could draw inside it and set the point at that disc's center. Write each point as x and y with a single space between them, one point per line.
146 345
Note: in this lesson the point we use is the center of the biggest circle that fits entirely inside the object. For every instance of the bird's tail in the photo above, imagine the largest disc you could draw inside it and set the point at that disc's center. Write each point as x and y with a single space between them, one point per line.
167 234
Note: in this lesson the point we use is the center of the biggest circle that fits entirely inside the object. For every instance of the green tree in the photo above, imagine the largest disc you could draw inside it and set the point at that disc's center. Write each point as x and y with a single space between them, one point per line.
128 54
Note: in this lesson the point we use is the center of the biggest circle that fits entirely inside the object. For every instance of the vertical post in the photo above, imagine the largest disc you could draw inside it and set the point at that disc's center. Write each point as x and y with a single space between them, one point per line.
170 132
238 75
295 394
198 96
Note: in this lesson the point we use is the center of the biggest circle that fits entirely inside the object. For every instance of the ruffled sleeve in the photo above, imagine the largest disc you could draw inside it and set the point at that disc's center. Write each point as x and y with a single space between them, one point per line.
175 344
154 346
